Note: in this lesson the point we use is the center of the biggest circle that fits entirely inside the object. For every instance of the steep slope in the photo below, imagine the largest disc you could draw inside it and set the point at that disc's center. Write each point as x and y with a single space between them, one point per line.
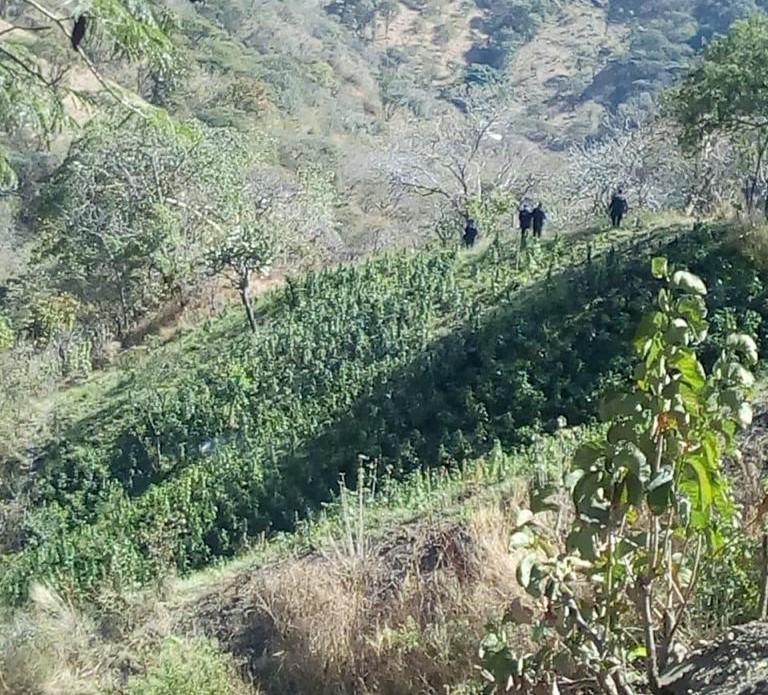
412 361
549 74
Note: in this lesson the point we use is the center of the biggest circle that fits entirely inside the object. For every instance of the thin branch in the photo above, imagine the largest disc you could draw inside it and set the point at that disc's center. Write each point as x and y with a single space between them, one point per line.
60 23
18 61
16 27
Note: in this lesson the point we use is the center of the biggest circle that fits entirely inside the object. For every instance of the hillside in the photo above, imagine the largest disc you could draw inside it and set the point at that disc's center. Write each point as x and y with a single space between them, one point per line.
410 361
408 367
292 399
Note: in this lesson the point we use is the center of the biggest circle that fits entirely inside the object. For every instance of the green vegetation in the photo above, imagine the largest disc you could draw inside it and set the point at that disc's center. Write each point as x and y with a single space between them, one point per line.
125 223
725 96
346 362
334 154
651 501
663 42
192 666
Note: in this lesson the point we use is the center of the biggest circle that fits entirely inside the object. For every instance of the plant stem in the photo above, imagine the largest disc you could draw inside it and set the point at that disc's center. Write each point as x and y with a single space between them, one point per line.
764 583
651 664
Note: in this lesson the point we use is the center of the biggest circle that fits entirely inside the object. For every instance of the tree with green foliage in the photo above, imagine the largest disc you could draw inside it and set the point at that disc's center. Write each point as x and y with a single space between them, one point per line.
33 90
125 220
245 251
652 505
726 94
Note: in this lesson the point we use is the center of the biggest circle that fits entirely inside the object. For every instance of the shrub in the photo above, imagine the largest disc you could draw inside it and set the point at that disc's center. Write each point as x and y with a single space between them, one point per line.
652 507
188 666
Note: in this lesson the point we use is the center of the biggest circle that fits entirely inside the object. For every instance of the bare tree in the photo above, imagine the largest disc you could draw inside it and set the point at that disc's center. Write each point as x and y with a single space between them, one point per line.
644 160
463 155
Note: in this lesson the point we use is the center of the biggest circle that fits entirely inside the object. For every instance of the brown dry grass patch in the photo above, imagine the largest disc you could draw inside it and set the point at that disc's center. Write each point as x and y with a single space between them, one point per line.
402 614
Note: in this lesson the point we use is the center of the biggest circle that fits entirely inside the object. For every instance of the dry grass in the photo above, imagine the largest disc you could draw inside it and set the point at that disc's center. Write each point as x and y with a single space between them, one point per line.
49 650
53 649
403 614
398 613
752 242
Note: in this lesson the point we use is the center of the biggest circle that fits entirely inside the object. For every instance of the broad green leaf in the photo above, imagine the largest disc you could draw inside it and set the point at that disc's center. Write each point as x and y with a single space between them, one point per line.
524 569
521 539
741 375
692 308
572 478
523 517
621 432
663 477
582 539
630 457
703 478
678 332
634 490
688 282
659 267
745 345
660 491
650 325
587 455
693 374
585 490
744 414
623 405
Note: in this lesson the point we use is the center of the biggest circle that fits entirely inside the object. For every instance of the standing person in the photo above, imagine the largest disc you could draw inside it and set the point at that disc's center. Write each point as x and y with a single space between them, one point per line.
471 233
618 208
538 217
525 217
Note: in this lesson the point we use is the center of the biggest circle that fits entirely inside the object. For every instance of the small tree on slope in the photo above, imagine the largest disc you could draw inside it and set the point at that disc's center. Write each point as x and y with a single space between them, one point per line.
651 505
245 251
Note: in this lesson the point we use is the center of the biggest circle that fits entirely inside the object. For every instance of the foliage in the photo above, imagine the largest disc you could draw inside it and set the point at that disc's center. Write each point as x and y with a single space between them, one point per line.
32 93
663 39
188 666
652 504
414 360
494 211
124 221
508 24
726 94
48 316
247 249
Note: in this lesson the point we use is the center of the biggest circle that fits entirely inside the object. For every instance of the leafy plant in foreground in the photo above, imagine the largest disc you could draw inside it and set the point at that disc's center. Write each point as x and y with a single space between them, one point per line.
651 507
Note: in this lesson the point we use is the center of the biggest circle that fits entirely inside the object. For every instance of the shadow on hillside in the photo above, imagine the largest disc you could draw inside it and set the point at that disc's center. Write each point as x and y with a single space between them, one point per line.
548 352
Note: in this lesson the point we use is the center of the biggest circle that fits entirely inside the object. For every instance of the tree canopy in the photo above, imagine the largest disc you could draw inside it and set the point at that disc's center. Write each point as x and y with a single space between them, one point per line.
33 89
726 94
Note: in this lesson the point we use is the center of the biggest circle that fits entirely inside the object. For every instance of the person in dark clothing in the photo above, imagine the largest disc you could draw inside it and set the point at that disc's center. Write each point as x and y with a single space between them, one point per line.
618 208
471 233
538 217
525 217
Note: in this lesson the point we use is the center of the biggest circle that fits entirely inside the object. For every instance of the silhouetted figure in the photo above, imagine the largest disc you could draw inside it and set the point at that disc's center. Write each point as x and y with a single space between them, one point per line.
78 31
471 233
618 208
525 218
538 217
